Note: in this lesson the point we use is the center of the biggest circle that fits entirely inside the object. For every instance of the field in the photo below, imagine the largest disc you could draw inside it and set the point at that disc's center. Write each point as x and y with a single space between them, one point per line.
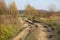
28 24
52 22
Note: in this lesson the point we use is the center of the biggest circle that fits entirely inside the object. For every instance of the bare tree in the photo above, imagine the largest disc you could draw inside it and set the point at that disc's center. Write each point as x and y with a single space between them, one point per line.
13 9
30 10
13 12
3 7
52 7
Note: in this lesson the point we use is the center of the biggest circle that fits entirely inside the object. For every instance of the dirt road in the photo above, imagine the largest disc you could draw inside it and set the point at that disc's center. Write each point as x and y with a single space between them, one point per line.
22 34
42 35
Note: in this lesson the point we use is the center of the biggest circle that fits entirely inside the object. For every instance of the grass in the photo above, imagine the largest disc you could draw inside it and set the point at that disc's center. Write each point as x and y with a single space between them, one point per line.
8 31
55 23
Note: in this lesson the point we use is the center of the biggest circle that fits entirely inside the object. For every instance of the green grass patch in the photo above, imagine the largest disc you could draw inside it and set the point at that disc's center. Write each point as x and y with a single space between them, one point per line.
7 31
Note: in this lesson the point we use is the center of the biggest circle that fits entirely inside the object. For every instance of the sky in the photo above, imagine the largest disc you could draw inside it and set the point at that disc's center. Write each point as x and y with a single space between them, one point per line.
38 4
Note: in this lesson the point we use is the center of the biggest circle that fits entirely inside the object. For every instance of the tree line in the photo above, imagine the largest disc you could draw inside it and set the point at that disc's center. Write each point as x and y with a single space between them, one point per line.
11 12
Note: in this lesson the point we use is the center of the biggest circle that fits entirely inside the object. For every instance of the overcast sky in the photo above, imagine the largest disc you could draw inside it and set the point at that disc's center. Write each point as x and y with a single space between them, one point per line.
38 4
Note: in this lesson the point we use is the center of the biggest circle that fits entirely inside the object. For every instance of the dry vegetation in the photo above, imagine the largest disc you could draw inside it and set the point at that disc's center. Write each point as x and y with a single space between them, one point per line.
9 24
